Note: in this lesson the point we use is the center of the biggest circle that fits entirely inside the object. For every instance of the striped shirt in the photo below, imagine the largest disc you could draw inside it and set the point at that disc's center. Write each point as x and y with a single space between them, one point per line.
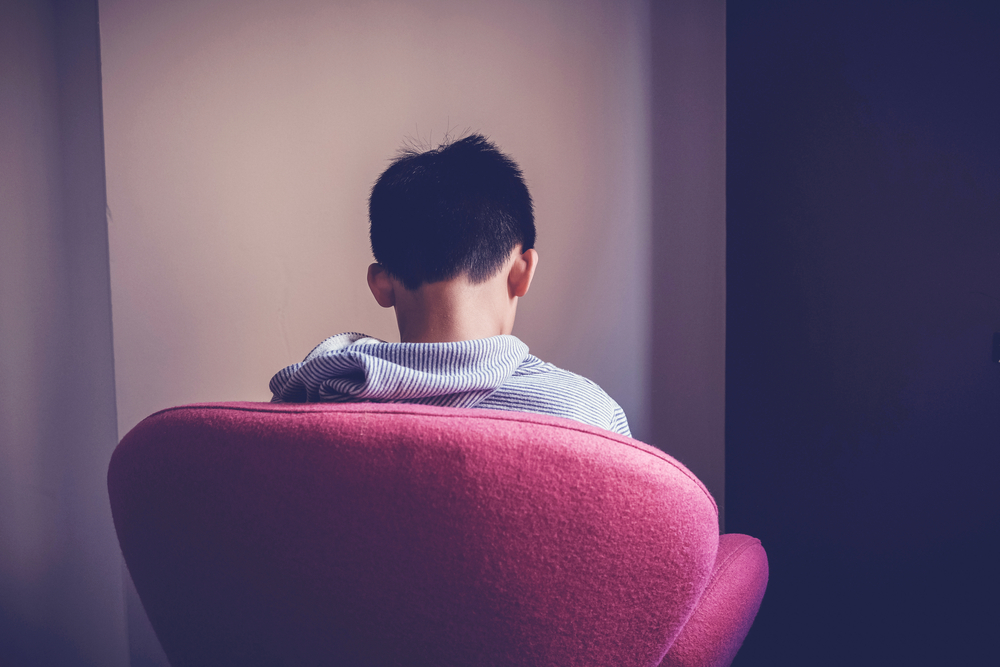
494 373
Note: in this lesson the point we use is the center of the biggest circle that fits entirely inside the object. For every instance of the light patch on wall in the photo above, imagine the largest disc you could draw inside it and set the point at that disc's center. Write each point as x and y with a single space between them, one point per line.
243 138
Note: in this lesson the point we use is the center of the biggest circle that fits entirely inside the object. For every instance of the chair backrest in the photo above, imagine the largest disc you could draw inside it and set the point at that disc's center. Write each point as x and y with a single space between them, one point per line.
387 534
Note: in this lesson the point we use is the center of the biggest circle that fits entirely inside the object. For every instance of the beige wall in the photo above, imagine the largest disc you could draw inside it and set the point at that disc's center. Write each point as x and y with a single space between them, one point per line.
243 137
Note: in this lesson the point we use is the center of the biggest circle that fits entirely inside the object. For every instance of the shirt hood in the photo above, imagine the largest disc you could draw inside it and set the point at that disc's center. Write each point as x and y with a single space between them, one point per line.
355 367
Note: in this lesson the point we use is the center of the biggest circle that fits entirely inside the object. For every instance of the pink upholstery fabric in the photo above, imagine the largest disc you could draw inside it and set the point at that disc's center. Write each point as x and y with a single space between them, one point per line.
728 607
375 534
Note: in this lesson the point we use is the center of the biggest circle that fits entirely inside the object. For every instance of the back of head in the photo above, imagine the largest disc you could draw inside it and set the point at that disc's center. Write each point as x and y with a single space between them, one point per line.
458 209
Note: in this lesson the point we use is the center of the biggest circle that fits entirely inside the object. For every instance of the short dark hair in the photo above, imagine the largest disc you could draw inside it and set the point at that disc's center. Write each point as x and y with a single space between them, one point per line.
459 208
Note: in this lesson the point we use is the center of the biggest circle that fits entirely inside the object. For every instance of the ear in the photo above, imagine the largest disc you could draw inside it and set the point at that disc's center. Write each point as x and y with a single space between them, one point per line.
381 285
521 273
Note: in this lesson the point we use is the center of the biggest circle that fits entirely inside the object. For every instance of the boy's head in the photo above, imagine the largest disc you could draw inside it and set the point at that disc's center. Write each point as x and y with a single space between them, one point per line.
457 210
453 235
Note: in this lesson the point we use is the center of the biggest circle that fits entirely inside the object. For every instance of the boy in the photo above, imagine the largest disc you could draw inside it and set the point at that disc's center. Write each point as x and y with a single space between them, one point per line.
453 234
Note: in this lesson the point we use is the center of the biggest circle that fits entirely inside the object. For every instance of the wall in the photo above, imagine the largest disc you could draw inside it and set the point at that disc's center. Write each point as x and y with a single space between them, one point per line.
863 407
242 145
243 139
60 567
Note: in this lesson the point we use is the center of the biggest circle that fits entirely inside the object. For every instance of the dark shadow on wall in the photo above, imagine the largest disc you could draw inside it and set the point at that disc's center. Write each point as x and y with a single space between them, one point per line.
60 566
688 282
863 290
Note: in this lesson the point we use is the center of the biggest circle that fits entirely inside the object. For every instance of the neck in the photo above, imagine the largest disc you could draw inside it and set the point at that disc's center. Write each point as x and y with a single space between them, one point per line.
454 310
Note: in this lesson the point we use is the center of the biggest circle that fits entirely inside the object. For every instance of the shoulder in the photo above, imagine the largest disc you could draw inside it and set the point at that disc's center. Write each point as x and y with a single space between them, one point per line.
537 386
533 369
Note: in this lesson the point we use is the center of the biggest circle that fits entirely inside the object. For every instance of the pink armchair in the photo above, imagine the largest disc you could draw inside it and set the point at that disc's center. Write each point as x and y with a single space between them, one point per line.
388 534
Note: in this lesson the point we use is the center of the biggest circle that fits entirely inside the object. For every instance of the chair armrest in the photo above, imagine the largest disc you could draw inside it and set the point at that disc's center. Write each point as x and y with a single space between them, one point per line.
723 617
